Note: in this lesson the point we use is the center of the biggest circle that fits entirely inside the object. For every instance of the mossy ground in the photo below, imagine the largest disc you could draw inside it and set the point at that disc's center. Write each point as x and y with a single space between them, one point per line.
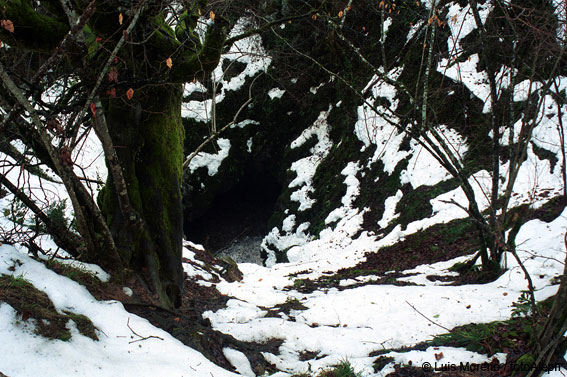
343 369
31 303
513 337
440 242
75 273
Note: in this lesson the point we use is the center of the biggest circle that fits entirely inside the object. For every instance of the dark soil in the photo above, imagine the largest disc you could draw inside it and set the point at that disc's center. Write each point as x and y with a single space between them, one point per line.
31 303
188 326
185 323
439 243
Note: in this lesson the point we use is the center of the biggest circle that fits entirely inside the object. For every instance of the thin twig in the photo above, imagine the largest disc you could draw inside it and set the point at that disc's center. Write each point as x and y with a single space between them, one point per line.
142 338
106 67
215 134
424 316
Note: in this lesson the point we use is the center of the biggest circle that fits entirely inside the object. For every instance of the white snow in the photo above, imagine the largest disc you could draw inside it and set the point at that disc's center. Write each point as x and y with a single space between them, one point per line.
212 161
115 354
423 168
276 93
337 324
89 161
306 167
244 123
239 361
354 322
462 23
390 209
353 189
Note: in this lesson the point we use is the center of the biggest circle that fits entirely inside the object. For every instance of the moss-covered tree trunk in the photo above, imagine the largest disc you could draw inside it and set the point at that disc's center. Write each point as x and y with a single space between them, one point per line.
148 138
117 48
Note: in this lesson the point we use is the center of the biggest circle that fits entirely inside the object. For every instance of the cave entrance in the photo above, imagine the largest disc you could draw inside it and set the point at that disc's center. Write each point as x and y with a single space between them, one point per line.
238 219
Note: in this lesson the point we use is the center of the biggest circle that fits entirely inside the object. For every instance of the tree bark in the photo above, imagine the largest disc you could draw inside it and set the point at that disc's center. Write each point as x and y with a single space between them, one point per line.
141 201
148 138
551 336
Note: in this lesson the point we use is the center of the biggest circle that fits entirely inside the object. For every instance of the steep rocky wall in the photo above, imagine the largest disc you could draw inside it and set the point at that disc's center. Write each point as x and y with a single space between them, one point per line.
321 149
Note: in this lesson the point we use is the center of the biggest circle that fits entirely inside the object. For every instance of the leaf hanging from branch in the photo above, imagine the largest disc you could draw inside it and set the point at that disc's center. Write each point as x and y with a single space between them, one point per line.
8 25
113 75
130 93
169 63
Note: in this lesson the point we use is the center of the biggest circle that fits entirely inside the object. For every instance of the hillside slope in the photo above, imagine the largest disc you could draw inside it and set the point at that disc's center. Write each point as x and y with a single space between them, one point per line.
359 234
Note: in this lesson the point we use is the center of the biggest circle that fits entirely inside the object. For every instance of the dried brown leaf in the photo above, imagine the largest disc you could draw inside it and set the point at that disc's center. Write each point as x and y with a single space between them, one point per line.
113 75
8 25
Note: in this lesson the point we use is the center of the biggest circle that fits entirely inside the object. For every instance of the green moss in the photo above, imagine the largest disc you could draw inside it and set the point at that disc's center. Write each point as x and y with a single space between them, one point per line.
184 31
206 58
75 273
148 135
32 30
30 302
84 325
488 338
527 360
159 171
343 369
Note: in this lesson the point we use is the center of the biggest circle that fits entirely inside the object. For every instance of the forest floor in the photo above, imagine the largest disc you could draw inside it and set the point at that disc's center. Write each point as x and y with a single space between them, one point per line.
390 313
388 307
394 266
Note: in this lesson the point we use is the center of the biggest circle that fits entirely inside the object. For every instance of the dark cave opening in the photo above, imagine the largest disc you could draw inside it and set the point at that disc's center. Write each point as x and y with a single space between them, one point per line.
239 213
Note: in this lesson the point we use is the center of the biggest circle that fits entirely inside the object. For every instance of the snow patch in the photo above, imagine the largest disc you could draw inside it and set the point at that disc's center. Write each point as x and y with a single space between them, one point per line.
239 361
305 168
276 93
212 161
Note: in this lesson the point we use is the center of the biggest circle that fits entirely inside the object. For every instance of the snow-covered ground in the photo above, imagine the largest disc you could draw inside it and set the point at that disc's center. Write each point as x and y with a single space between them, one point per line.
352 323
347 324
336 325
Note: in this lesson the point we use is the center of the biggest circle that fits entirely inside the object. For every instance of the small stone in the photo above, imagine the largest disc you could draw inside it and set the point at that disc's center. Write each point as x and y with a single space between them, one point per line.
128 291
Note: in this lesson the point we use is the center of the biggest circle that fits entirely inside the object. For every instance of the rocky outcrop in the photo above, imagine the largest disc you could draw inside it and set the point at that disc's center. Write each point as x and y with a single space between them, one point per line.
327 138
